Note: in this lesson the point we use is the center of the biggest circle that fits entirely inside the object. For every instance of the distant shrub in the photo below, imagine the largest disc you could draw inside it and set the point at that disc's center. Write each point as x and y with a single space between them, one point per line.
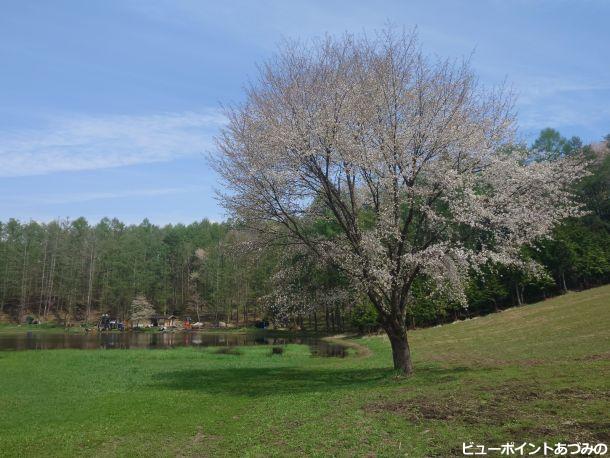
277 351
365 317
228 351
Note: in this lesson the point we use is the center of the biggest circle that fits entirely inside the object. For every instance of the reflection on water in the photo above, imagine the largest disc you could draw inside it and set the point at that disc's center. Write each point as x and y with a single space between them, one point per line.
48 341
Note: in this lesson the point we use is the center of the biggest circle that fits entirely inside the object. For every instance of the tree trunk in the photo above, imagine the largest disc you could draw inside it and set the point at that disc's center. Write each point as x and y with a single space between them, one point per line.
90 285
401 353
563 283
518 295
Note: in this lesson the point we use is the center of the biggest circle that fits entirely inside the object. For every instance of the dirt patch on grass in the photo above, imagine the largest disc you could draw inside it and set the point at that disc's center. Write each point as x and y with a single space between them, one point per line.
447 408
593 432
539 412
598 357
579 394
200 437
198 445
600 430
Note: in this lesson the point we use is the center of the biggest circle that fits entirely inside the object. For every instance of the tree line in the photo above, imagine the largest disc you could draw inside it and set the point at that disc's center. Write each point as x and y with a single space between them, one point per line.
72 271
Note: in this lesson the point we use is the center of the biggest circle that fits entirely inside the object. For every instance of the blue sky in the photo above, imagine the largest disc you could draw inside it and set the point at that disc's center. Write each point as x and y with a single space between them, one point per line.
108 108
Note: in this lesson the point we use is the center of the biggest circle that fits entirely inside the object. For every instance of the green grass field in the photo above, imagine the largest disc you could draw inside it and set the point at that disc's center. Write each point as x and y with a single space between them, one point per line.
535 373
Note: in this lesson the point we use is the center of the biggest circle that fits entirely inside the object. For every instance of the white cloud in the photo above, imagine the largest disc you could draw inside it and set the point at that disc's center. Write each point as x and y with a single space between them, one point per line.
532 89
562 102
50 199
559 115
95 142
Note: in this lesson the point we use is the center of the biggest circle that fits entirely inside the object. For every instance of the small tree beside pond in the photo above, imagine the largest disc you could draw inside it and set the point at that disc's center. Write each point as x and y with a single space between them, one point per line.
141 310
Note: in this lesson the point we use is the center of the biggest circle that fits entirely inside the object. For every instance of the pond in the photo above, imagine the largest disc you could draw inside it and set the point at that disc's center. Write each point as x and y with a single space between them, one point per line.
34 340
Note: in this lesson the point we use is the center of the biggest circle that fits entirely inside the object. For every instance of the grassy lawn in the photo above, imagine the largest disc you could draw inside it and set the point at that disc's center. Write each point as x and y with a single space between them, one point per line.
535 373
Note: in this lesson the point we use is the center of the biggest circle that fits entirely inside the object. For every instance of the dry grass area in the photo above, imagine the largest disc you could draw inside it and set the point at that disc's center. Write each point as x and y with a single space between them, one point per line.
505 404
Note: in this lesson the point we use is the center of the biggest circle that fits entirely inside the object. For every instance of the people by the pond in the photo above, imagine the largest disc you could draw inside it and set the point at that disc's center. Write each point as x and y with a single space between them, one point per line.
107 324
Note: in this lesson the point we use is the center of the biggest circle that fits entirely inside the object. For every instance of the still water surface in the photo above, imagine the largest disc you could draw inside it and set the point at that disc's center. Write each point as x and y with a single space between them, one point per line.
49 341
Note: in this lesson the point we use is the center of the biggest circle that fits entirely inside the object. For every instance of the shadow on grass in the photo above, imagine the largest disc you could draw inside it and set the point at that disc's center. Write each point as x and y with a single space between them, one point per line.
257 382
